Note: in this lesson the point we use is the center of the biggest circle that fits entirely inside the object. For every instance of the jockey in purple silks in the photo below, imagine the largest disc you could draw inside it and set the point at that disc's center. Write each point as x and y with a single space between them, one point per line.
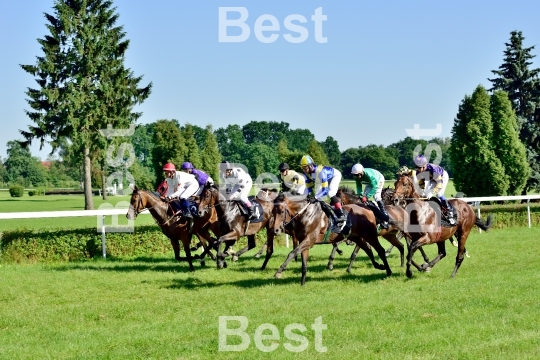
202 178
437 180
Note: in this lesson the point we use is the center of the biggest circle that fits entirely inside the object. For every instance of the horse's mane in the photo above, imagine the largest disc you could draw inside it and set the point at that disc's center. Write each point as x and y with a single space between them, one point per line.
153 193
347 190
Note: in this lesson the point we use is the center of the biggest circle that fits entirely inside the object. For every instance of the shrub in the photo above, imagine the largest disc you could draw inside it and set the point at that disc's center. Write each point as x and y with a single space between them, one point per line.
31 192
16 191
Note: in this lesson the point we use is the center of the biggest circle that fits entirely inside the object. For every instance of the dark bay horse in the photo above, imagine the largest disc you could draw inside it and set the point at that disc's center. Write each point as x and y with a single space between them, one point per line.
175 229
309 225
422 224
392 234
232 223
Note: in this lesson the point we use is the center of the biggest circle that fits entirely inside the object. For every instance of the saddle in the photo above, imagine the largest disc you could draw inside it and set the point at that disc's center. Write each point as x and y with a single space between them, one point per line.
175 208
257 209
333 226
438 206
379 216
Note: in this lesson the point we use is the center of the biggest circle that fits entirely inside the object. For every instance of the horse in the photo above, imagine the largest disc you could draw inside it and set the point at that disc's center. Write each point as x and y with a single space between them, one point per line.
175 229
422 224
392 234
232 223
309 225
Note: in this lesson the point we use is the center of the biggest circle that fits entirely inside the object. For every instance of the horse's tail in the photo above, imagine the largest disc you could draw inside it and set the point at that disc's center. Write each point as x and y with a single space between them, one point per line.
483 225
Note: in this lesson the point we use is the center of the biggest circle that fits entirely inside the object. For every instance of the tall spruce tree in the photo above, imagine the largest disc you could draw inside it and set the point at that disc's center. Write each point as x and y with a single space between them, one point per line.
210 156
507 146
523 87
317 153
192 154
477 170
83 84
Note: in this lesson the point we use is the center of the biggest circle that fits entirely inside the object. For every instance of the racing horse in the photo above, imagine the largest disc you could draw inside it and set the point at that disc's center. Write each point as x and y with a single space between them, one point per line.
423 224
309 227
392 234
232 223
176 229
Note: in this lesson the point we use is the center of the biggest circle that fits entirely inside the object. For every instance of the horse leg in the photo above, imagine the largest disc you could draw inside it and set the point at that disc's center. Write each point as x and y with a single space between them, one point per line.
263 249
297 250
330 265
462 239
380 251
186 241
207 245
353 257
250 245
360 242
305 255
394 241
441 254
269 247
426 259
176 248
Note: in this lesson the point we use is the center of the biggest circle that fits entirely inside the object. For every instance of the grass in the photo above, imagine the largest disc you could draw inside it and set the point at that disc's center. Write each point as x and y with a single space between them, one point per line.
153 308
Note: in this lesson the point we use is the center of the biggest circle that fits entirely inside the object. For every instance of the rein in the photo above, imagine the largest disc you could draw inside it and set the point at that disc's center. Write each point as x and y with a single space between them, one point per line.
285 223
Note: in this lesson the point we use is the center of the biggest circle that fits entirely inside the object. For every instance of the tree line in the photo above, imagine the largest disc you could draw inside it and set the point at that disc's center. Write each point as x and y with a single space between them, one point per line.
84 87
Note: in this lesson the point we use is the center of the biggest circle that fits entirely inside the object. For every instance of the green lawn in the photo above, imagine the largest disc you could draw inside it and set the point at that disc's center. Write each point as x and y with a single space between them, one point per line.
153 308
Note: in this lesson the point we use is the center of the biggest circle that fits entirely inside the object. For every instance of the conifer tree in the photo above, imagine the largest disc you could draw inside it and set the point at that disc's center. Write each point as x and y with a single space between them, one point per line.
317 153
210 156
83 84
507 146
521 82
169 146
192 149
477 170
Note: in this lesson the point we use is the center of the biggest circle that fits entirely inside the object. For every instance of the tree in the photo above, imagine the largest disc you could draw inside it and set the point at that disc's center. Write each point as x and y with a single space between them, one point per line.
210 156
379 158
523 87
22 168
264 132
262 159
405 150
192 149
169 146
199 134
507 146
331 148
477 170
231 143
317 153
299 139
142 141
83 84
3 172
350 157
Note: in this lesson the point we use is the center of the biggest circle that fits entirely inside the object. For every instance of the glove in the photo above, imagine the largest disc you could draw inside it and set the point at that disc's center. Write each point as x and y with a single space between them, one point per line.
313 200
363 199
168 198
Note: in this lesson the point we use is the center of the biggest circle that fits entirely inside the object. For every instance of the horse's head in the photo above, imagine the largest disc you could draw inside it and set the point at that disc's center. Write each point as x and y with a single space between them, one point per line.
347 196
208 199
136 204
404 190
279 213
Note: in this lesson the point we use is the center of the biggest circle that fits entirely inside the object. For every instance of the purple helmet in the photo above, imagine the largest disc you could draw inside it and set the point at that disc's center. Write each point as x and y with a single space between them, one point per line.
420 161
187 165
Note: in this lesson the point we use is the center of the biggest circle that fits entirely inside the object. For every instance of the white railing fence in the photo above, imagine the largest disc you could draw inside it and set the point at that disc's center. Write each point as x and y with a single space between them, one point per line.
122 207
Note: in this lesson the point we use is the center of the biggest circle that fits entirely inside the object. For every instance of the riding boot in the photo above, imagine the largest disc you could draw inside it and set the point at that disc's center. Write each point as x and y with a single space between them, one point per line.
186 212
385 217
251 212
340 216
450 210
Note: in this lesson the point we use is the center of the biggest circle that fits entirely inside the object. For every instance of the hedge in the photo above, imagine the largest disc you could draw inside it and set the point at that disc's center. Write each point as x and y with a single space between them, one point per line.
25 245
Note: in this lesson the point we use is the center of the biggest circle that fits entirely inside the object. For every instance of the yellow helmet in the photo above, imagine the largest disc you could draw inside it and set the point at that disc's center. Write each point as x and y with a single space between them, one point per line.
306 160
403 170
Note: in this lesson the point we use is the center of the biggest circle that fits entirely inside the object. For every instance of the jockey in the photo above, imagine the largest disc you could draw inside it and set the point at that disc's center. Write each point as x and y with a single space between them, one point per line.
202 178
290 179
181 185
326 181
238 185
436 185
374 181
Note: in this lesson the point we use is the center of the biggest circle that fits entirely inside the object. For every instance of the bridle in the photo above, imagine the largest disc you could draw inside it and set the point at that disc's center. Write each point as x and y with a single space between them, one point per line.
208 207
292 217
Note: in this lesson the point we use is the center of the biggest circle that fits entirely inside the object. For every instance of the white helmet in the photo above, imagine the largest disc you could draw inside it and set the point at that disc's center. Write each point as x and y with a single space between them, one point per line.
357 169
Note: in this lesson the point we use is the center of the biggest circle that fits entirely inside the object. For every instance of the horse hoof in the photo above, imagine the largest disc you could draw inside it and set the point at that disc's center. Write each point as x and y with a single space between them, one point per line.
428 269
340 252
235 258
257 256
329 267
408 273
386 254
225 265
203 263
278 275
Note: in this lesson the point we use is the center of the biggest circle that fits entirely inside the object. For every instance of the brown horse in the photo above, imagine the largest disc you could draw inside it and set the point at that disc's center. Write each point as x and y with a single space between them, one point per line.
392 234
173 227
422 224
309 224
232 224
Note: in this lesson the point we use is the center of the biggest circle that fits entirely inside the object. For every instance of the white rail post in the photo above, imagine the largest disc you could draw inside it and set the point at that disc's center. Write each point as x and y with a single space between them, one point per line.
479 216
287 240
103 245
529 212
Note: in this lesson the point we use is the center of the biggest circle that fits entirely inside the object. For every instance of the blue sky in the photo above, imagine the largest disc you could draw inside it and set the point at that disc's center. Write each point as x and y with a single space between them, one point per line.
386 65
